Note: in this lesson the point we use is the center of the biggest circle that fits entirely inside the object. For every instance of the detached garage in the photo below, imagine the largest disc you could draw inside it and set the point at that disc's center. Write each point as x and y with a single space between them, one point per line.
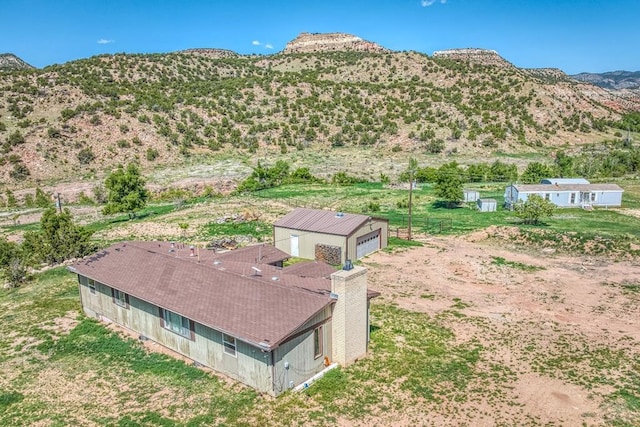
332 237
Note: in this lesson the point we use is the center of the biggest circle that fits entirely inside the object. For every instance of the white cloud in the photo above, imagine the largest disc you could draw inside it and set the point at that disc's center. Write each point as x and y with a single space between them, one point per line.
105 41
268 46
256 43
426 3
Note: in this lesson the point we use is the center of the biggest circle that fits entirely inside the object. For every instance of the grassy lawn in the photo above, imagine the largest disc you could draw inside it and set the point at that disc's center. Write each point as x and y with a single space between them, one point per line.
428 212
89 368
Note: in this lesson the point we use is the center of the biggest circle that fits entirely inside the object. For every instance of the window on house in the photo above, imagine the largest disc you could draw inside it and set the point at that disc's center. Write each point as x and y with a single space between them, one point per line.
573 198
547 196
176 323
120 298
593 197
92 286
229 343
317 342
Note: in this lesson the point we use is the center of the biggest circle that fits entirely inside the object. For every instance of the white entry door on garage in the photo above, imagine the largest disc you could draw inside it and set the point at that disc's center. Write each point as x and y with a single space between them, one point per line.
367 243
295 249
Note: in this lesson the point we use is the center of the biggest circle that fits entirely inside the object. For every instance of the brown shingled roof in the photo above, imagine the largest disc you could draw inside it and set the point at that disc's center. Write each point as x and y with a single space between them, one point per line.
259 254
310 269
255 309
321 221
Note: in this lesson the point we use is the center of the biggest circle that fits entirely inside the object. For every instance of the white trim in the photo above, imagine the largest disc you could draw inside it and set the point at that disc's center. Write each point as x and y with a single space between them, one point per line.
230 345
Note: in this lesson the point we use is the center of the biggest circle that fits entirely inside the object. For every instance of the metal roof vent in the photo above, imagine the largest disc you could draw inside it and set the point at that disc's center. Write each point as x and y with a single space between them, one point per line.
275 278
348 265
339 214
217 262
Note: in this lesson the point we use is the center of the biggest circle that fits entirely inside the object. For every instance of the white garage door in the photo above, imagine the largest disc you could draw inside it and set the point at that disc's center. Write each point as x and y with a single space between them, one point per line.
367 243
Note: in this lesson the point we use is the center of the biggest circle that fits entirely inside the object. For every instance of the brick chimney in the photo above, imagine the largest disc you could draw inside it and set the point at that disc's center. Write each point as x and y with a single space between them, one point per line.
350 315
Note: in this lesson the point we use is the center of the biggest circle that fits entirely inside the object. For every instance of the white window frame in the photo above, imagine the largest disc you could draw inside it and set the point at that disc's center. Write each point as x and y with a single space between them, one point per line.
92 286
572 198
592 197
176 323
547 196
120 298
230 345
318 342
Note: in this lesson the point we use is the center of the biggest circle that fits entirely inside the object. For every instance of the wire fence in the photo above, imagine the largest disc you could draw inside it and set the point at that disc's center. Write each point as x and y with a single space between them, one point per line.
426 224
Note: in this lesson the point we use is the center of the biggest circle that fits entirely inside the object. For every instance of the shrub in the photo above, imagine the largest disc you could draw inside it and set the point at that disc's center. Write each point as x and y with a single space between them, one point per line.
95 120
436 146
15 138
54 133
20 172
86 156
152 154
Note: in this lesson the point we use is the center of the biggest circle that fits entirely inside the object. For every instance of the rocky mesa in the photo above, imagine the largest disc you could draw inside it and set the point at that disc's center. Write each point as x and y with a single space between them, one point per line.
474 55
329 42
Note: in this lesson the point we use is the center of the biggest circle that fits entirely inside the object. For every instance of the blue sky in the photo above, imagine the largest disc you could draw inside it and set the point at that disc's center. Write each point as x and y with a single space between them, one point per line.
573 35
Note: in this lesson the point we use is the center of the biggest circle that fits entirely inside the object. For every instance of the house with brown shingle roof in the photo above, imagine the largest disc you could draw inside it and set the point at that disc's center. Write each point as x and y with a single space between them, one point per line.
328 236
268 327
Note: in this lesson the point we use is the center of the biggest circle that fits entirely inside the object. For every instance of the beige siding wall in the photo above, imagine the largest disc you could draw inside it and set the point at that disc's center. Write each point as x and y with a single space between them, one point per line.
307 242
250 365
299 354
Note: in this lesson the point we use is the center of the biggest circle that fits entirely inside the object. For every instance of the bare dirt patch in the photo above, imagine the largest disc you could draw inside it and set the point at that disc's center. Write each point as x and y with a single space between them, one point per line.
522 307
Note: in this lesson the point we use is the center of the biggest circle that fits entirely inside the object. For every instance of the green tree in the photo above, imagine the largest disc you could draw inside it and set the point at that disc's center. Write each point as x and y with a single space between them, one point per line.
59 239
564 164
12 266
502 172
533 209
448 186
534 172
12 202
42 199
8 251
126 191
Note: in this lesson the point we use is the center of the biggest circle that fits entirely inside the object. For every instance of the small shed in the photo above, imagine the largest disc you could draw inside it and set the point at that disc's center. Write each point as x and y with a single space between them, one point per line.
471 196
487 205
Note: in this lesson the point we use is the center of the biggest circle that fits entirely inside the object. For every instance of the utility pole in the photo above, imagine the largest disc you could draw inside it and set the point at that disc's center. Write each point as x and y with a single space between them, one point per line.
413 166
410 203
58 203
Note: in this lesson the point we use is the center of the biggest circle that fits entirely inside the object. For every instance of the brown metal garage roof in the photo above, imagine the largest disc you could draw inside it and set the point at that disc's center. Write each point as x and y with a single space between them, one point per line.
322 221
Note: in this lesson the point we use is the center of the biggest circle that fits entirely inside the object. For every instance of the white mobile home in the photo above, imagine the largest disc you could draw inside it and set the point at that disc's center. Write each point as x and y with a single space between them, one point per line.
567 195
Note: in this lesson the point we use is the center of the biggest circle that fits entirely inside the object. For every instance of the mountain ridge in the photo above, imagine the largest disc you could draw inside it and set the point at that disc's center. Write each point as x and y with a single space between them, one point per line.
85 116
11 62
